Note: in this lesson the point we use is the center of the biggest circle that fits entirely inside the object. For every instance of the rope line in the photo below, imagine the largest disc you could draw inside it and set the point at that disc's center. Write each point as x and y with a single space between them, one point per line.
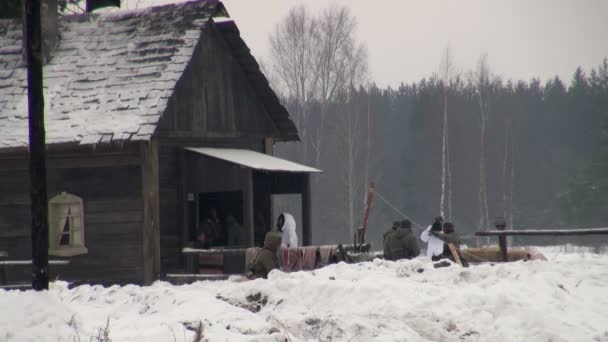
397 210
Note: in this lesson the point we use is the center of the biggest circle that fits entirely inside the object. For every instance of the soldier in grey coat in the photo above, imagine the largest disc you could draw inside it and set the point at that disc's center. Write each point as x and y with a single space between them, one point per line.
267 259
385 237
401 243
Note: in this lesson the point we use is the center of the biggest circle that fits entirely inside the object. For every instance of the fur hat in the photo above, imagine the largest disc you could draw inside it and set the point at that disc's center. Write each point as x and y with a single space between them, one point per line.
448 227
406 224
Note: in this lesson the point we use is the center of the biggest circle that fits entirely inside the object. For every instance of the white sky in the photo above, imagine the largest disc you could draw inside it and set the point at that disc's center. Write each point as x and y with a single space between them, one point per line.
406 38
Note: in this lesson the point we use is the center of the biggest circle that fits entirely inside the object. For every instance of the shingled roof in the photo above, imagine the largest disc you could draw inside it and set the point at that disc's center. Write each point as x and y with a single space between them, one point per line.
112 74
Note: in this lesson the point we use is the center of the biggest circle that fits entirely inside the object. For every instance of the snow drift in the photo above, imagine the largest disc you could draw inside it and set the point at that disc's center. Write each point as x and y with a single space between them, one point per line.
560 300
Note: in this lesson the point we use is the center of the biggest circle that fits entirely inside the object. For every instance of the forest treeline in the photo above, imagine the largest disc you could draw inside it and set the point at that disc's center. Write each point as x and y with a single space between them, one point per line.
534 153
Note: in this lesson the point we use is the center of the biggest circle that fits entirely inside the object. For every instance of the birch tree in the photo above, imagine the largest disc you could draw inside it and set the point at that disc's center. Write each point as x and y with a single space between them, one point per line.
482 81
446 190
351 139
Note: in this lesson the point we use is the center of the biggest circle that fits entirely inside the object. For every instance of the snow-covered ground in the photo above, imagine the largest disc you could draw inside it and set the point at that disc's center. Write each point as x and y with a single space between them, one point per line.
564 299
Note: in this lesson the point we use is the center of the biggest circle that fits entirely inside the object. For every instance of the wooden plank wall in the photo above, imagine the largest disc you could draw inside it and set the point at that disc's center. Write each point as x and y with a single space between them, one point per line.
214 99
113 213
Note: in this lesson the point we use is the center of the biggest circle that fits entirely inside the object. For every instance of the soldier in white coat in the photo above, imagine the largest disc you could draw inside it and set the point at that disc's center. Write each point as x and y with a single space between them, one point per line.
434 249
286 225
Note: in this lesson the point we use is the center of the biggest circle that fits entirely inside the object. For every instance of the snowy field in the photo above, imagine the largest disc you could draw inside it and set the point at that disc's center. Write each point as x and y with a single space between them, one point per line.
564 299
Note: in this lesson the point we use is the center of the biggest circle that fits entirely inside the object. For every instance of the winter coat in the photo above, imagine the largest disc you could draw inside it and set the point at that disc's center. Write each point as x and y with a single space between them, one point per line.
267 259
402 244
434 244
289 235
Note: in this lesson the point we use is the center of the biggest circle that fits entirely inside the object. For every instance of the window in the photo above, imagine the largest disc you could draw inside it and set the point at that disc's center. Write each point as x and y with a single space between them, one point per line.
66 225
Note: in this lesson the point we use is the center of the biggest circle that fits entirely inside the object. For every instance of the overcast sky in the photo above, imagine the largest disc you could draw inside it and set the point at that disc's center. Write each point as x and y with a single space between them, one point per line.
406 38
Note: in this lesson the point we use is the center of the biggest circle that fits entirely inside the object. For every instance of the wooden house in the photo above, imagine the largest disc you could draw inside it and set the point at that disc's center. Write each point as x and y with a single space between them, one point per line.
152 117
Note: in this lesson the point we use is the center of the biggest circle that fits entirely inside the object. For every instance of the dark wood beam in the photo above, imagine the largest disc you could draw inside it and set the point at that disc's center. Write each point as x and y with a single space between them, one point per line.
306 210
151 208
37 152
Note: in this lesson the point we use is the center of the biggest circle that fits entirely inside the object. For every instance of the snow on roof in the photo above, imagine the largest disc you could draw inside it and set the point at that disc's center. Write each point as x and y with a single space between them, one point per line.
110 76
252 159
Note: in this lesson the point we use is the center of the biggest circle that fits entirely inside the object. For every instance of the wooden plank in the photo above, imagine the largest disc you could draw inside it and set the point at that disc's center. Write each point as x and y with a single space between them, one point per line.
455 254
502 244
29 262
94 206
540 232
132 216
151 223
21 286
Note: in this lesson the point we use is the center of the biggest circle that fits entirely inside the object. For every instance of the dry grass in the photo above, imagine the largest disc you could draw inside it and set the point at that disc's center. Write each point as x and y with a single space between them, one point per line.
103 334
199 333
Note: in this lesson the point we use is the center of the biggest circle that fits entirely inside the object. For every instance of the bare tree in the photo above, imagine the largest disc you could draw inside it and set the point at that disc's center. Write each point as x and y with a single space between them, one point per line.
340 63
293 64
482 81
315 59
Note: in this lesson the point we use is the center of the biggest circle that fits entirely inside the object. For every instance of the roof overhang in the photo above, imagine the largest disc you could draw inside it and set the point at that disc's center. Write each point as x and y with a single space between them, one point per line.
253 160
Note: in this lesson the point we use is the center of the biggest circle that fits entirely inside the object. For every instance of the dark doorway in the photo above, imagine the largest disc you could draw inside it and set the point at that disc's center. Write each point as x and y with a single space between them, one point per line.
226 203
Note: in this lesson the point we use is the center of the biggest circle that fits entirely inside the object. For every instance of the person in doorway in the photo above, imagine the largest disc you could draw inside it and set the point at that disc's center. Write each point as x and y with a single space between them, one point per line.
209 233
234 232
434 248
286 225
266 260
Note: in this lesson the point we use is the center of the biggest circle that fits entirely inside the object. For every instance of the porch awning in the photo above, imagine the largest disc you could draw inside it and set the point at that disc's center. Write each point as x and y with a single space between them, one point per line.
253 160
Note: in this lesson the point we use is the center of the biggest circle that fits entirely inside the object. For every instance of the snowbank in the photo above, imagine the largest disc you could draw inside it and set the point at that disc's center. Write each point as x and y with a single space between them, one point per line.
560 300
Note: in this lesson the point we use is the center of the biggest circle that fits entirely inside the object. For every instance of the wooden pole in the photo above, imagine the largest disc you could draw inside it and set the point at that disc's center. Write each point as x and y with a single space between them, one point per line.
306 210
502 244
369 198
37 149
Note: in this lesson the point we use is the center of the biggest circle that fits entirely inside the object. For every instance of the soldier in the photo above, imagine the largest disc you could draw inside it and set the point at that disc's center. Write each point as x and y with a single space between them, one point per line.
387 252
286 224
266 260
434 247
402 243
234 232
209 233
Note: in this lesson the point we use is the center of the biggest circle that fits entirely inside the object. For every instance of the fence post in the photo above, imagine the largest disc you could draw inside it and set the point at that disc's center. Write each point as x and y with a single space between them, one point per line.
502 239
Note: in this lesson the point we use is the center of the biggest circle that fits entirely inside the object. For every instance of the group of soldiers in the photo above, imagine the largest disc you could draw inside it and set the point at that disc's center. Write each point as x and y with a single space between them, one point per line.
399 243
213 232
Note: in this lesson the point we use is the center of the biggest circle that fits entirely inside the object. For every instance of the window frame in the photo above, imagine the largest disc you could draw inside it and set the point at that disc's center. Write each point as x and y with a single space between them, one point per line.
76 245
